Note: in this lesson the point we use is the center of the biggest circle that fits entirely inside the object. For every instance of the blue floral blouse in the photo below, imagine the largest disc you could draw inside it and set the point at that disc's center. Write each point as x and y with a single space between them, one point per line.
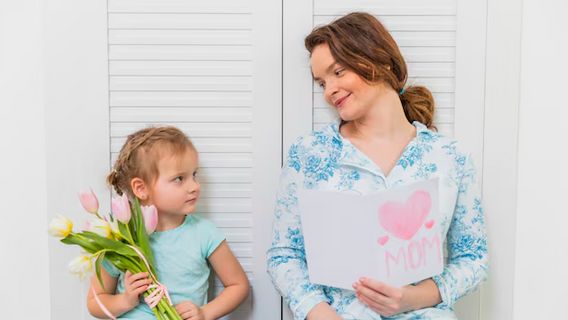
325 160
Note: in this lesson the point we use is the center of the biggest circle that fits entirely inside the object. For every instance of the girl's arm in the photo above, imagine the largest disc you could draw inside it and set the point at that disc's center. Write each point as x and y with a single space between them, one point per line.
117 304
234 279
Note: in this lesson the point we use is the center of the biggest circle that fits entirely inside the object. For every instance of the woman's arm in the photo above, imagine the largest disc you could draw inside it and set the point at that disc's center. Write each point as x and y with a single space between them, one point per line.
387 300
286 258
234 279
117 304
466 242
322 311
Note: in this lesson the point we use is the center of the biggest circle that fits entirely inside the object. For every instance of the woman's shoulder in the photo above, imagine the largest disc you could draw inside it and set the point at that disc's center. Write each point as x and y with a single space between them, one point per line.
442 146
320 138
319 145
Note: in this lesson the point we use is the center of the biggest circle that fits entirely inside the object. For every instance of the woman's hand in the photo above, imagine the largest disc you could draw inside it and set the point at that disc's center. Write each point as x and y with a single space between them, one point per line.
383 299
134 286
388 300
189 311
322 311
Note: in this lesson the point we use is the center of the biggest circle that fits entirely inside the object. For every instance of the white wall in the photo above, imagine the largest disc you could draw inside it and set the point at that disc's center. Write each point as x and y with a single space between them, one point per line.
542 213
23 232
76 132
500 153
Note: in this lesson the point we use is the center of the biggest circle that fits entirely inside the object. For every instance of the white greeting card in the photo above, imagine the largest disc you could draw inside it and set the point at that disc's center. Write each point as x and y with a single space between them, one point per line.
392 236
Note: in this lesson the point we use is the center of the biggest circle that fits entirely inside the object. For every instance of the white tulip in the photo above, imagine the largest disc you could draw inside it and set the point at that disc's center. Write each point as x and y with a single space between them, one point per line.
60 227
81 266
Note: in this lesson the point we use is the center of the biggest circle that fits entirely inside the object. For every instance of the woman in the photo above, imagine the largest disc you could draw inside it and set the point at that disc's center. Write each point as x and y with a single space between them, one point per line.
384 139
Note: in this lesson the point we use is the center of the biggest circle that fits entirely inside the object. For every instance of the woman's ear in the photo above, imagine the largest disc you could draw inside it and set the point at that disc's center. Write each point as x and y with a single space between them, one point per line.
139 188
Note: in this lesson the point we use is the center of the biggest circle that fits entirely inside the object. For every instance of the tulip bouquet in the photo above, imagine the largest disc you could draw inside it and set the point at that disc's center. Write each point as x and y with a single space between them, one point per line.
122 239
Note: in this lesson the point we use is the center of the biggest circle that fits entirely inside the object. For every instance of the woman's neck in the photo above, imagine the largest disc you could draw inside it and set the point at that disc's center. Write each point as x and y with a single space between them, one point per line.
385 121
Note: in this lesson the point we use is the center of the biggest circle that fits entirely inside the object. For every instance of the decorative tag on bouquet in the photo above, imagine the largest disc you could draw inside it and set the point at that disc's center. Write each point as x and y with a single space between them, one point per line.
392 236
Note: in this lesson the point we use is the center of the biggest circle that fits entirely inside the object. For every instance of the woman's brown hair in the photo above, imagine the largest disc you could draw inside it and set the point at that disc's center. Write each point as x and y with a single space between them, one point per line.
359 42
141 152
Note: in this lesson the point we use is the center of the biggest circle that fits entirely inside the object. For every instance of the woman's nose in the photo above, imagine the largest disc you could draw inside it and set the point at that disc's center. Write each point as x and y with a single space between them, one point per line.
330 90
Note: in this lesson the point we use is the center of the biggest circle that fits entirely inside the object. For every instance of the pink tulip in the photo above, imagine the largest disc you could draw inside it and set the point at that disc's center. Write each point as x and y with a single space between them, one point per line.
150 214
89 201
121 209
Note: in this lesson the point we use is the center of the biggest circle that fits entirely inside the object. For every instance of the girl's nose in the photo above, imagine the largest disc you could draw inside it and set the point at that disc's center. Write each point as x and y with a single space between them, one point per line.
193 186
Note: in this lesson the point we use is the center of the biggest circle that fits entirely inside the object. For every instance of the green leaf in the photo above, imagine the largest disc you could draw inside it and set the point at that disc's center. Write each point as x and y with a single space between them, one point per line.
142 237
114 245
78 239
98 262
125 232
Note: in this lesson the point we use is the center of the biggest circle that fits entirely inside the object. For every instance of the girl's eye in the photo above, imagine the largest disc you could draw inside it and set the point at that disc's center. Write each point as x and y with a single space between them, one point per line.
321 85
178 179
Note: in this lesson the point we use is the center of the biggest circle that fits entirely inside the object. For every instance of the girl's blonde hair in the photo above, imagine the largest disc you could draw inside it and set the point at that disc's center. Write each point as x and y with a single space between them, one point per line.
139 156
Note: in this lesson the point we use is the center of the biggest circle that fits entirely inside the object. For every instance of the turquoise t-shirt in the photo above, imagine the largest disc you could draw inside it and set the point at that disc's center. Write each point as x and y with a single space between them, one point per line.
181 263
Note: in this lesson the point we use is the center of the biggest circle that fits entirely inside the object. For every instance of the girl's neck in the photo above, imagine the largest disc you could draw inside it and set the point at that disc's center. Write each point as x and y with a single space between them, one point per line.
167 222
385 121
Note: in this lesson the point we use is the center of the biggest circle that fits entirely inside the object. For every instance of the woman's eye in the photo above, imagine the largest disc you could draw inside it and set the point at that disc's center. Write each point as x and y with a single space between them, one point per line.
339 72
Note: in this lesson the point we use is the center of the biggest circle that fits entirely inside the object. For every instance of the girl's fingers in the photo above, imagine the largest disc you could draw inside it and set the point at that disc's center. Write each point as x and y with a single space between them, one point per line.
139 275
141 282
140 290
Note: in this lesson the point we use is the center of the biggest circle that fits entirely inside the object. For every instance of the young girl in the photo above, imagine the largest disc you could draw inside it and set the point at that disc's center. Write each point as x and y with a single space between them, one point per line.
159 167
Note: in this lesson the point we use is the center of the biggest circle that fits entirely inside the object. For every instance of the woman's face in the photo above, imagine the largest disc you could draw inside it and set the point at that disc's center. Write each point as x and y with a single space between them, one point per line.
344 90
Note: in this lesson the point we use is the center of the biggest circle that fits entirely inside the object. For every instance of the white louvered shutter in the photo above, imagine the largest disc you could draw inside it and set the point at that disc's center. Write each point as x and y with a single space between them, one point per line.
191 64
427 33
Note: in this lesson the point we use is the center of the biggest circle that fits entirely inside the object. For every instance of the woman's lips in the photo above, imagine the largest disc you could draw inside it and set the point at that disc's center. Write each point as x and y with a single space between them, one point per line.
340 101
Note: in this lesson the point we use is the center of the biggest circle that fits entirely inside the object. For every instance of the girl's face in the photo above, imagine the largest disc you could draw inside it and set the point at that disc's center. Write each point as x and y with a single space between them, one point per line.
344 90
176 190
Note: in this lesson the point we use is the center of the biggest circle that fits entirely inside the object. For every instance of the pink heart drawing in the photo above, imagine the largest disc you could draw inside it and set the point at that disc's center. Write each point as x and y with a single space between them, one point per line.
403 220
429 224
383 240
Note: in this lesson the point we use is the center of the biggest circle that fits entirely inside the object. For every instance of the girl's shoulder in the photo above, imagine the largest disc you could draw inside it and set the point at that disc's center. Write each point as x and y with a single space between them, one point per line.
196 220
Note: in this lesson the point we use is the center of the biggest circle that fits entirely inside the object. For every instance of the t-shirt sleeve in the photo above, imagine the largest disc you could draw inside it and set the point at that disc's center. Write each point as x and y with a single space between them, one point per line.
110 268
212 237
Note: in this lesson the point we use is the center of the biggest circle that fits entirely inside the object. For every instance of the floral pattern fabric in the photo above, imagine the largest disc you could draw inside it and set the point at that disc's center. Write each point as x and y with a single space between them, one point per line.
324 160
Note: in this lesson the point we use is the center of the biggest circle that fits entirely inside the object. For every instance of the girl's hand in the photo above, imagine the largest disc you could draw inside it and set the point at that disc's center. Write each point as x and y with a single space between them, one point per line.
134 286
189 311
382 298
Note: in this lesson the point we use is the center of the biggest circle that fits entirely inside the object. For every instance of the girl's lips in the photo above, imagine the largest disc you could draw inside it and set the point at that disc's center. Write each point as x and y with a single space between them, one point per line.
340 101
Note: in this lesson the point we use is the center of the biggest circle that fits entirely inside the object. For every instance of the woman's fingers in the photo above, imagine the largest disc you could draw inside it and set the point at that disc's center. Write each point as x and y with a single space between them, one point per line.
385 289
379 308
372 294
